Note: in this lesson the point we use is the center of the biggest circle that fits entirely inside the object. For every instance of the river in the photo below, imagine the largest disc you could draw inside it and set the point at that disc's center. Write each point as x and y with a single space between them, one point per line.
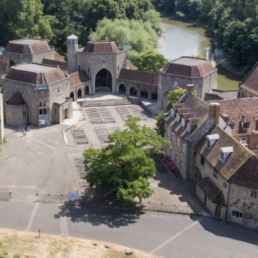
186 39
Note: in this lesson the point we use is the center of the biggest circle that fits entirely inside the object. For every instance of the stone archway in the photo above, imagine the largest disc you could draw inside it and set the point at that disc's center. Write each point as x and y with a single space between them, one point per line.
144 93
79 94
103 80
87 90
154 94
72 95
133 91
122 89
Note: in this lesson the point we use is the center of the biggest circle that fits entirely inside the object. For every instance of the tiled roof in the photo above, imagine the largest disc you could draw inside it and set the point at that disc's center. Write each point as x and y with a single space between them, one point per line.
233 110
25 73
16 99
196 112
250 82
247 174
61 64
189 67
212 191
101 47
129 65
58 57
233 162
27 46
78 78
138 76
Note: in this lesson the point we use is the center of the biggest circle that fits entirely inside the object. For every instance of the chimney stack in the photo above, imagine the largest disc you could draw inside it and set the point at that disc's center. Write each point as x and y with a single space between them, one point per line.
190 88
253 140
214 111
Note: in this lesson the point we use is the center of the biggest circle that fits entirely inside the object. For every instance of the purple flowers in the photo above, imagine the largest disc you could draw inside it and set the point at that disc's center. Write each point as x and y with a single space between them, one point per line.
170 164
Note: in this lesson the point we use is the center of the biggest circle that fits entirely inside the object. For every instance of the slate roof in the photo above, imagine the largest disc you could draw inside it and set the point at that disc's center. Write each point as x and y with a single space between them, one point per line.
101 47
139 76
61 64
234 161
78 78
234 110
250 82
35 74
212 191
16 99
27 46
189 67
194 110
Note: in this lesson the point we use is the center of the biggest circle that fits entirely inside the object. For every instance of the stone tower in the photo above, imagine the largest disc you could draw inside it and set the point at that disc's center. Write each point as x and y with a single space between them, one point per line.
72 47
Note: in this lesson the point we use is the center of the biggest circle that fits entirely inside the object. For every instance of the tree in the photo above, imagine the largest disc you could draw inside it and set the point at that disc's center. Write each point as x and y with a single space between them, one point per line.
149 61
175 95
124 166
160 124
140 35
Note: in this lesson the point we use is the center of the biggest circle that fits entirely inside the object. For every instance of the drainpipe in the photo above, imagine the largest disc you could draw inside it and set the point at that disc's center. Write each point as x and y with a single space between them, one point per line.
227 203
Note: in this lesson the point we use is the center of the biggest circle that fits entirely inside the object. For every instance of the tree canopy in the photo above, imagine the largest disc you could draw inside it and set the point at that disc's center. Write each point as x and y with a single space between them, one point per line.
149 61
139 35
124 165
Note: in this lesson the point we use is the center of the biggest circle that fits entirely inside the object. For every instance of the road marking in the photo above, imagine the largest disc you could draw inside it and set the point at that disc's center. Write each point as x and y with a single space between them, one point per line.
64 226
33 214
175 236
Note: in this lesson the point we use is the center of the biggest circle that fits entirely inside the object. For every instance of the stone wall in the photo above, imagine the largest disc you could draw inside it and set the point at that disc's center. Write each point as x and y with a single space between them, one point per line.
1 119
16 115
240 200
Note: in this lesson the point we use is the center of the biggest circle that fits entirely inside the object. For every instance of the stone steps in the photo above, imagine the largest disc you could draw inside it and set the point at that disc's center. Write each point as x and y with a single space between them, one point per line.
106 102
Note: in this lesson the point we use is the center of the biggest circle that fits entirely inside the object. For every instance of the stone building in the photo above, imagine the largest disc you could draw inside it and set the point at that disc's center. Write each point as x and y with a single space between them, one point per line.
249 85
186 123
42 89
186 70
1 119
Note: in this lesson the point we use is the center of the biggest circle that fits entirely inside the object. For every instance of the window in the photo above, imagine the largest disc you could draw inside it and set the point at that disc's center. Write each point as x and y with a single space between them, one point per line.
171 154
246 125
172 136
88 69
211 139
79 68
176 160
45 111
254 194
177 141
215 175
188 128
172 112
224 153
118 68
167 131
182 167
24 113
183 122
55 110
40 104
222 156
237 214
167 151
177 117
202 160
225 185
40 111
183 147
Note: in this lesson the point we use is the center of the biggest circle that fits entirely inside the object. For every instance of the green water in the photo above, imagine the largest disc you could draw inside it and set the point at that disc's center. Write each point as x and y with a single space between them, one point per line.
186 39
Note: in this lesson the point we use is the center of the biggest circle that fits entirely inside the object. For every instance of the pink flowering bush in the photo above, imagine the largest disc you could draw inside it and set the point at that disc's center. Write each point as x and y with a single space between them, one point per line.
173 167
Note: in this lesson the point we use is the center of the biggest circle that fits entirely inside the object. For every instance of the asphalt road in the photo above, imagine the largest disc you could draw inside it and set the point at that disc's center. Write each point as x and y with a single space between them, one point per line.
168 235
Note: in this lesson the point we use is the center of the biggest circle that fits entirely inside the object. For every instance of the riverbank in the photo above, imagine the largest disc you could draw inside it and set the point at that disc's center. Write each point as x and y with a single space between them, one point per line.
162 41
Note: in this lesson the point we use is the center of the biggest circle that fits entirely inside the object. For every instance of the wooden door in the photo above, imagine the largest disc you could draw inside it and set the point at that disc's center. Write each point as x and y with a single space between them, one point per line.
218 211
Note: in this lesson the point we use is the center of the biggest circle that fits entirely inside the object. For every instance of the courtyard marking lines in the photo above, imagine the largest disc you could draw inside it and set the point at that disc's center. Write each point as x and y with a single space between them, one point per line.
64 226
33 214
175 236
49 146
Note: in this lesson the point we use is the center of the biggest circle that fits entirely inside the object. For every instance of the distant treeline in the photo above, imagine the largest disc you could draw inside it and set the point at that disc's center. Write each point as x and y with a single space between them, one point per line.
234 24
57 19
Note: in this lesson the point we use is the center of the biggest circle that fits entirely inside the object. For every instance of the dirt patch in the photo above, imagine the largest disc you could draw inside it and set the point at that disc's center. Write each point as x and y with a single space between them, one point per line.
28 244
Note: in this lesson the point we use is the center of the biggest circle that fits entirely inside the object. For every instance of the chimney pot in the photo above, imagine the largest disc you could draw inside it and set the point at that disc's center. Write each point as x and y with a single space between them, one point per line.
190 87
214 111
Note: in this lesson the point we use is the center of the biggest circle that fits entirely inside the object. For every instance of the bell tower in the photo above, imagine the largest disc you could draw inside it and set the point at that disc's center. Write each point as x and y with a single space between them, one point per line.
72 48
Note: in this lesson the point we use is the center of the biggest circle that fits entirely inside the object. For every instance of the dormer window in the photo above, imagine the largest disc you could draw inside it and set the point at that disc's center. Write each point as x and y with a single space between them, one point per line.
224 153
177 117
211 139
188 128
183 122
246 126
172 112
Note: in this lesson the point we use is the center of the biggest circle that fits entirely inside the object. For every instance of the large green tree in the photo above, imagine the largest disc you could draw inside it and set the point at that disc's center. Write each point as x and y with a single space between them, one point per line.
149 61
124 166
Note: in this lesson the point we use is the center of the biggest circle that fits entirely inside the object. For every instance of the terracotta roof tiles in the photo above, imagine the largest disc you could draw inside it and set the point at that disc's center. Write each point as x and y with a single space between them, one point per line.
78 78
101 47
61 64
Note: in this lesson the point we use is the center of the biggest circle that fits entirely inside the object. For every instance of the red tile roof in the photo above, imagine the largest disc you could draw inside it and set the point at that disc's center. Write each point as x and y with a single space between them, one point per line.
189 67
78 78
101 47
250 82
27 46
138 76
16 99
61 64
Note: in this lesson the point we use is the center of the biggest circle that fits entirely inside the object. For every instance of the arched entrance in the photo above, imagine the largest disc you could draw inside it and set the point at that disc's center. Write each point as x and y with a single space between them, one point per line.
133 91
155 94
122 89
72 96
144 93
103 80
79 93
87 91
